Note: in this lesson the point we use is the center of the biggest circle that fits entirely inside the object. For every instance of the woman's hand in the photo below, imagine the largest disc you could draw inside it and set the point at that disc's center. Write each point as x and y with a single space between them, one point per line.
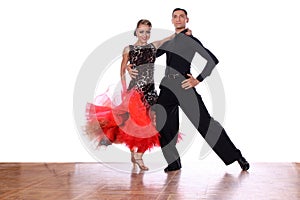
189 32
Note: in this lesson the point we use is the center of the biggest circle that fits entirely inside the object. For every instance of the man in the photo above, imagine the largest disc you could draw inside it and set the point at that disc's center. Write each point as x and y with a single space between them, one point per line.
177 89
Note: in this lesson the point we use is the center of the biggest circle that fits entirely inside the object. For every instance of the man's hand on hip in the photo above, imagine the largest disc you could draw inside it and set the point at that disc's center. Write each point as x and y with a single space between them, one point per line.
132 72
190 82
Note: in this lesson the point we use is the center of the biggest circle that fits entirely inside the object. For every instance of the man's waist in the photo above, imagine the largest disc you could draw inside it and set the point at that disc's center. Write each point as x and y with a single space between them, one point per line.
176 76
173 75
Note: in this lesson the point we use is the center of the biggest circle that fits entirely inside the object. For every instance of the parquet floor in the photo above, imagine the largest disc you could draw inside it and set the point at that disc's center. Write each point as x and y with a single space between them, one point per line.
199 180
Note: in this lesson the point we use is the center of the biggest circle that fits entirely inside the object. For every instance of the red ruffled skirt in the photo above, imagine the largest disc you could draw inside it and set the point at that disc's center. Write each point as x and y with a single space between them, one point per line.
130 122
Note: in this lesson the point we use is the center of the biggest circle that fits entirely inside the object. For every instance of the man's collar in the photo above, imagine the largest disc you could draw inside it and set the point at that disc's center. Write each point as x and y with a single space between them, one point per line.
184 31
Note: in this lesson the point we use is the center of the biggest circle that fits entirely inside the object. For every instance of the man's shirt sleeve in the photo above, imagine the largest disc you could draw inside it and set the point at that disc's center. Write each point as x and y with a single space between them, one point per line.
161 50
212 60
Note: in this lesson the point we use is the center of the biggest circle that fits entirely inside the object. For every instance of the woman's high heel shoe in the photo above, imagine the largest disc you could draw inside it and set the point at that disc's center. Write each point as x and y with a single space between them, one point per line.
139 161
136 158
141 164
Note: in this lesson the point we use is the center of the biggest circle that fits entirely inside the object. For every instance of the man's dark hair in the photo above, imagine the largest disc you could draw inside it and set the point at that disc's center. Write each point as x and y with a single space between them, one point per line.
179 9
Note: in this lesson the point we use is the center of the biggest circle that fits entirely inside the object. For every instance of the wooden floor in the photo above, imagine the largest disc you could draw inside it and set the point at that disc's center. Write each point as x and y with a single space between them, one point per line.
200 180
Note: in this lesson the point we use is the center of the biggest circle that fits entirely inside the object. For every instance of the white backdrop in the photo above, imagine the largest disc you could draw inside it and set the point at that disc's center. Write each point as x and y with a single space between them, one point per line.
43 45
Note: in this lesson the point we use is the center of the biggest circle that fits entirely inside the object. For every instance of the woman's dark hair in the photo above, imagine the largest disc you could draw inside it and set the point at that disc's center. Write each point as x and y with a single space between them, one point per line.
144 22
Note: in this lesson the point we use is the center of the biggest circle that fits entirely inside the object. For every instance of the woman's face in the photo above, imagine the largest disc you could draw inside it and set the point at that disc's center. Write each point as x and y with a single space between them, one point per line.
143 33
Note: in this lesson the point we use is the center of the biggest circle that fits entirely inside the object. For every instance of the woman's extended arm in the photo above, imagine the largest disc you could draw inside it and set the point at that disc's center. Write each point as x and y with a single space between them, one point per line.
158 43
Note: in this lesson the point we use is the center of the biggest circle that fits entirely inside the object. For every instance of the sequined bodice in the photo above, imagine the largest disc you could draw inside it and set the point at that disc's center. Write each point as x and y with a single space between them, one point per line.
143 58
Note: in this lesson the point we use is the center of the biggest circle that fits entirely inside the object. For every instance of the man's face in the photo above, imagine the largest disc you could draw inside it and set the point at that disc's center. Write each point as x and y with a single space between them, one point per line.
179 19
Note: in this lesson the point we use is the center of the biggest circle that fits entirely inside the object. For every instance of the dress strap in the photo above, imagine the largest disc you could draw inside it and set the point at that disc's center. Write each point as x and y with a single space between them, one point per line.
153 47
131 47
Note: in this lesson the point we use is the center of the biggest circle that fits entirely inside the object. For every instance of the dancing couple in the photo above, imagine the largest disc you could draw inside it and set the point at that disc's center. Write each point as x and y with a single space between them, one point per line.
145 119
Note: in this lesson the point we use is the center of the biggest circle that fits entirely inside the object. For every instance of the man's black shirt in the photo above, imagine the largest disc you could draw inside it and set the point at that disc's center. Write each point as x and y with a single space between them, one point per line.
180 52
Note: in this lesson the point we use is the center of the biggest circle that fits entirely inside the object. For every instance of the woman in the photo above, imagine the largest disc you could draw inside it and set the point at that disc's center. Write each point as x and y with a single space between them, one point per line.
131 122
